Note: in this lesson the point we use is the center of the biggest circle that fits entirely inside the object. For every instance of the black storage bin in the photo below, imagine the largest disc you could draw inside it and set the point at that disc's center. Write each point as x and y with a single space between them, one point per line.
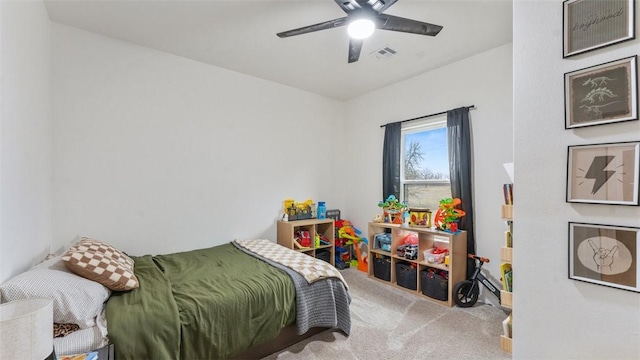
434 285
382 268
324 255
406 276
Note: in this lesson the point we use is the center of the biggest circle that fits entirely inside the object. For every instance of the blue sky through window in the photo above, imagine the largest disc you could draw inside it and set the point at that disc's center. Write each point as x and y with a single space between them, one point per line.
433 144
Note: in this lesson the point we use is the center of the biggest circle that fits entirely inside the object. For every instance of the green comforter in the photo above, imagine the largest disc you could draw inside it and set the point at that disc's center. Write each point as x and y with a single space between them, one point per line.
202 304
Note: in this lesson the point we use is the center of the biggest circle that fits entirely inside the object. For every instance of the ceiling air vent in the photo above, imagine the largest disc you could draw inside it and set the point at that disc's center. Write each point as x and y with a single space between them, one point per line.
384 53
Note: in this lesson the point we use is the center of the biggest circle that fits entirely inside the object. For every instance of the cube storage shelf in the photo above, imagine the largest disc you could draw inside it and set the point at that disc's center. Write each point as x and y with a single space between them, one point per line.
409 274
324 227
506 256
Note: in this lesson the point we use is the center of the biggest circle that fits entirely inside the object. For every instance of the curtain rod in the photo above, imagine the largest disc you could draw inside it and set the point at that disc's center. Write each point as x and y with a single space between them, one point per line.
425 116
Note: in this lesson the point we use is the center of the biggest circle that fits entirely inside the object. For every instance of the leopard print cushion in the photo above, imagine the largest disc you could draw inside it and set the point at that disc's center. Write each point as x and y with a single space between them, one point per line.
60 330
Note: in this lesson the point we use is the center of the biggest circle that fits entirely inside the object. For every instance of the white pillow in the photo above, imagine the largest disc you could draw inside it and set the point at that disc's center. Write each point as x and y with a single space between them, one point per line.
53 263
76 300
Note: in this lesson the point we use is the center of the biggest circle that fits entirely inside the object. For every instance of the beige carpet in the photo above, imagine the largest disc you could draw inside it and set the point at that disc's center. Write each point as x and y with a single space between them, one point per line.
388 323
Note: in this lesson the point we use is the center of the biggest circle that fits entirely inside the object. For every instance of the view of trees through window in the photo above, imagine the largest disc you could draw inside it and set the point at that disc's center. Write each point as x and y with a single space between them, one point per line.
425 179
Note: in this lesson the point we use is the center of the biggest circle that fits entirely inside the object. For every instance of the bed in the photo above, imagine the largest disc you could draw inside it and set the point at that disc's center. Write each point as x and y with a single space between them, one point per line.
222 302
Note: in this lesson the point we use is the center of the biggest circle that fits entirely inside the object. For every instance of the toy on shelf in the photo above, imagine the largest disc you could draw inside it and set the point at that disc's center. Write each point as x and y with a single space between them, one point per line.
420 217
394 210
410 239
382 241
409 252
302 239
299 210
321 240
447 216
436 255
409 247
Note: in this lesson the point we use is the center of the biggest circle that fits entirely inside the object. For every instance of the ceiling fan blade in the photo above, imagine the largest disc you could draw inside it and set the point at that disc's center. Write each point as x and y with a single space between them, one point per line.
315 27
395 23
355 46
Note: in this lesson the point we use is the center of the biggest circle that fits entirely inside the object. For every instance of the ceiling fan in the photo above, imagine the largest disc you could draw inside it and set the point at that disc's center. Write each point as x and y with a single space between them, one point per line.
369 14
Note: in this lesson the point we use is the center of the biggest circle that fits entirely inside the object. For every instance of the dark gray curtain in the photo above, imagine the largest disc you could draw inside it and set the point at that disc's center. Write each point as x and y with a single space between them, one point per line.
459 138
391 160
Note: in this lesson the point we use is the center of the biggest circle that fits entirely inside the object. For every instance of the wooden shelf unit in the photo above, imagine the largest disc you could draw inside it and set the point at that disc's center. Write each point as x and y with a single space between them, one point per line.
506 256
506 344
324 227
506 297
427 238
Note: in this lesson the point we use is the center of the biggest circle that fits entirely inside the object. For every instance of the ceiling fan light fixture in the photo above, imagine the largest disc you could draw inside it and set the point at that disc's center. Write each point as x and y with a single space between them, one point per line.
376 4
361 28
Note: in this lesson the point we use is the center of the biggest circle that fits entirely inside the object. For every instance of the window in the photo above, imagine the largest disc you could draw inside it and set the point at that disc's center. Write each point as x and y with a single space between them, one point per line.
424 171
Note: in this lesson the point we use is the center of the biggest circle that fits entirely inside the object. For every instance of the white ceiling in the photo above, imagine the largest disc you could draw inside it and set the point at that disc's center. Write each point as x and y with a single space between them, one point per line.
241 36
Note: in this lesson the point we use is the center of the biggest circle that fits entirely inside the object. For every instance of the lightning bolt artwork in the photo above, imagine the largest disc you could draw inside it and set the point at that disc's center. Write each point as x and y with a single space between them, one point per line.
596 171
604 173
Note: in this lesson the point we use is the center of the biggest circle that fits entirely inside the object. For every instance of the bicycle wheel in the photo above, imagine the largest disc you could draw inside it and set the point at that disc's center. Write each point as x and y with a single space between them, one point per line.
465 293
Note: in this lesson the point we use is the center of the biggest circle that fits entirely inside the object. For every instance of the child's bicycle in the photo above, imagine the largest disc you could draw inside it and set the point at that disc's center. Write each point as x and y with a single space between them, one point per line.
466 292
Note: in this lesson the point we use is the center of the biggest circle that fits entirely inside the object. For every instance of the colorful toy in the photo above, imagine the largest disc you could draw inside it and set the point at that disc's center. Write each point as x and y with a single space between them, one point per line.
410 239
346 231
447 216
302 239
411 252
343 255
321 240
393 209
382 241
299 210
409 247
342 259
420 217
436 255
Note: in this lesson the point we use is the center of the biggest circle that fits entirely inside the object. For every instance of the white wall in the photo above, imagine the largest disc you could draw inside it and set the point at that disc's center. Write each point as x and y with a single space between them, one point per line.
484 80
25 135
555 317
156 153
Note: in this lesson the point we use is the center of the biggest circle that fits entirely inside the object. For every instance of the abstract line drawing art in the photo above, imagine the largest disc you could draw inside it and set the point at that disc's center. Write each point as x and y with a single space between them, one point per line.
602 94
592 24
603 173
604 254
603 257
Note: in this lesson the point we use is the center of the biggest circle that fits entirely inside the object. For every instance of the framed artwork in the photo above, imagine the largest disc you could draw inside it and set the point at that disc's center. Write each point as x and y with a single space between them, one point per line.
592 24
604 255
601 94
603 173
